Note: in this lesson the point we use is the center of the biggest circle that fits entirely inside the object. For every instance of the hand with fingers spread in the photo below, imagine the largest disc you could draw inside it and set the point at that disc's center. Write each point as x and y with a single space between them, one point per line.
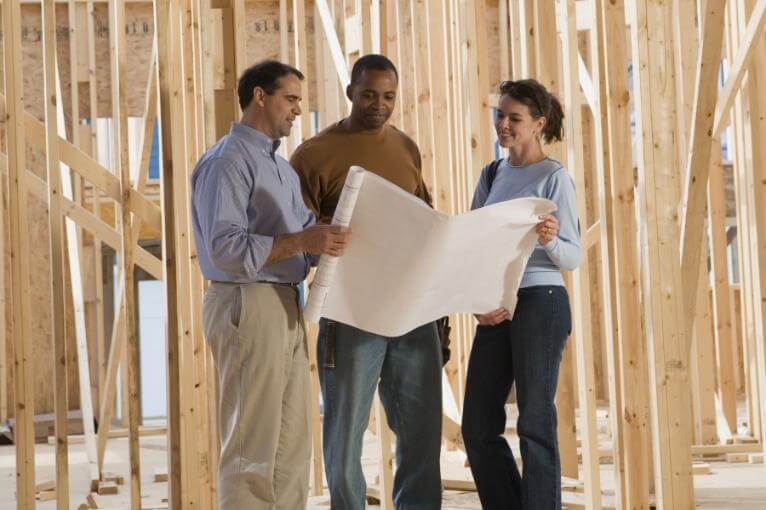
494 317
325 239
547 229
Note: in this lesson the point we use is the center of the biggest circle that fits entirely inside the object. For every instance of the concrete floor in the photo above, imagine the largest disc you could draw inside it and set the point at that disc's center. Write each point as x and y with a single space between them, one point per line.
729 486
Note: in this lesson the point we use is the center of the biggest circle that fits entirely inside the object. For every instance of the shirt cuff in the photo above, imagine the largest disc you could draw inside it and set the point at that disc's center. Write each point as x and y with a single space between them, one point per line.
551 245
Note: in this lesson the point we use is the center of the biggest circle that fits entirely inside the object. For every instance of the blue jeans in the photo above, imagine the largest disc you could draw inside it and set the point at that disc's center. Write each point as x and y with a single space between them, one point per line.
525 350
351 362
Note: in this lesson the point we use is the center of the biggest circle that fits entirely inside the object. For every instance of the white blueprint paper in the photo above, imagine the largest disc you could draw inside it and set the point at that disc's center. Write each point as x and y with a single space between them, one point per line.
407 264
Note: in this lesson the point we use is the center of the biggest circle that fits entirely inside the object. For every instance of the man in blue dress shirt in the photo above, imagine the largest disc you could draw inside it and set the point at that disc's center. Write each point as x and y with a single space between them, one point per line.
256 241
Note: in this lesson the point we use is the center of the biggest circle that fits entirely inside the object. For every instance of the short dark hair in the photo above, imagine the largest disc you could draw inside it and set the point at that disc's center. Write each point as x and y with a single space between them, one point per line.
540 102
371 61
264 74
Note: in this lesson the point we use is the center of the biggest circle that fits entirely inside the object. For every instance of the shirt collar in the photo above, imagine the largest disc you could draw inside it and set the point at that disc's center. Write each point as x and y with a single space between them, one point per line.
254 138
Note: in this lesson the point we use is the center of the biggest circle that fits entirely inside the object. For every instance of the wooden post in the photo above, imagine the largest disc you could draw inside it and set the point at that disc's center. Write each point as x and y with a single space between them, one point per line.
527 29
423 93
303 130
698 159
56 232
96 199
74 249
609 265
120 143
665 321
757 221
721 306
504 56
583 346
24 434
477 87
166 72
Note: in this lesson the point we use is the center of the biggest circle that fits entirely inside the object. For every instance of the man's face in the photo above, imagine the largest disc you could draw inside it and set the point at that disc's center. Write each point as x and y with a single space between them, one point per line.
373 98
283 106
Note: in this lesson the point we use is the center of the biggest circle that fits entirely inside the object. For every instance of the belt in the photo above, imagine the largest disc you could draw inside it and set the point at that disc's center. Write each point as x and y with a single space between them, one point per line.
281 284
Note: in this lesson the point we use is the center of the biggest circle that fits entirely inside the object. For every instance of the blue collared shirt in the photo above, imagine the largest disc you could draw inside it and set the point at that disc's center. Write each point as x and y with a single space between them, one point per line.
244 195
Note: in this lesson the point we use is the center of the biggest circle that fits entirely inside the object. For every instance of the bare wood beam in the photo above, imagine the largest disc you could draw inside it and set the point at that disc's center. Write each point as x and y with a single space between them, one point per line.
698 159
341 69
56 253
73 246
117 344
663 298
166 73
19 248
127 248
739 65
582 338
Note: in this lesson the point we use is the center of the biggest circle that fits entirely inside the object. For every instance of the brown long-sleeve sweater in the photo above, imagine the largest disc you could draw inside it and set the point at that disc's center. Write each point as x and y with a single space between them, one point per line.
322 163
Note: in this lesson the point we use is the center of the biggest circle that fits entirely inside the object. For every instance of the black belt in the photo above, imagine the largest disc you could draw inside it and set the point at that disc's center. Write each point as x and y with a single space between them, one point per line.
282 284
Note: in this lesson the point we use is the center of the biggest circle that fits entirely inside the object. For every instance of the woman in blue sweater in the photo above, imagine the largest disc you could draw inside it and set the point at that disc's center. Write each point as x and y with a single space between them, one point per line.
524 349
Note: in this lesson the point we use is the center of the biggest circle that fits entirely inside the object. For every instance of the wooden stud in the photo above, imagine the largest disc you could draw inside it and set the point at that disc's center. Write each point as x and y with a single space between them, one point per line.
527 31
582 337
423 94
117 344
408 96
303 130
668 367
74 249
703 365
56 232
698 158
516 35
166 73
721 306
757 220
608 261
475 43
502 32
120 147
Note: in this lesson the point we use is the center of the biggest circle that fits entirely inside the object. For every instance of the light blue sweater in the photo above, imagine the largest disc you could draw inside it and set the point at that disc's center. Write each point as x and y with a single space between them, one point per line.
545 179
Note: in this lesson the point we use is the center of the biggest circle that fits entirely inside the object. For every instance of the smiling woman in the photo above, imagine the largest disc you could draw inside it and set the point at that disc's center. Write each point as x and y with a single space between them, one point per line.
524 348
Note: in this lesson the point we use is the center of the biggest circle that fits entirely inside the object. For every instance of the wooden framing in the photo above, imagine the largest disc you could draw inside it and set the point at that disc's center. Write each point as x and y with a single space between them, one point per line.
56 232
166 74
17 206
668 357
581 314
666 333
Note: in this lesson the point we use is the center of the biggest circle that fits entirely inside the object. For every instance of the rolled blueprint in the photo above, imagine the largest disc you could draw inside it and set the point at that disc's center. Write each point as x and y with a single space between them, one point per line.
327 263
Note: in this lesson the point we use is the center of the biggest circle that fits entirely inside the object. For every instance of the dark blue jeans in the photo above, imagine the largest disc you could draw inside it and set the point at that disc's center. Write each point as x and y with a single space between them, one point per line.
527 351
407 372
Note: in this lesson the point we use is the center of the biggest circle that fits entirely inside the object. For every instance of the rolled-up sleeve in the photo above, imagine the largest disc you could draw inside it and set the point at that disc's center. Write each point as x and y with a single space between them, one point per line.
565 250
222 196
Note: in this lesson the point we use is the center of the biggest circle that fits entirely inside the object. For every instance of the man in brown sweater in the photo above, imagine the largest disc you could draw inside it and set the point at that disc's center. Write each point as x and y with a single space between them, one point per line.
352 362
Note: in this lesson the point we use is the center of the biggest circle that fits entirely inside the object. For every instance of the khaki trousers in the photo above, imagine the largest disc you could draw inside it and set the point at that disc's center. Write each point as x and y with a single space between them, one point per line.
258 340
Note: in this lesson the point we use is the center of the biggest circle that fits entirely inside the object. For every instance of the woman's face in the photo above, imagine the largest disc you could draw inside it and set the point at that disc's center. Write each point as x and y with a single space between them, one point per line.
514 124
